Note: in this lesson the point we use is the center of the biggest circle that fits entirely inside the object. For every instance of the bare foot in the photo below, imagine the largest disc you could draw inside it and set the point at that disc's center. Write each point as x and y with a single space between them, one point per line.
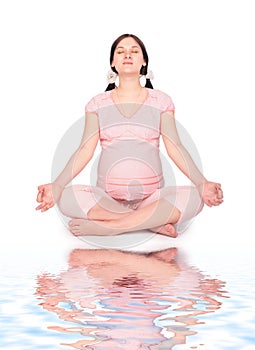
167 230
82 227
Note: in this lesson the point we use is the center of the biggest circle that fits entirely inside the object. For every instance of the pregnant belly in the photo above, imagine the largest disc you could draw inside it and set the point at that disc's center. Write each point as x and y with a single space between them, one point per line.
130 179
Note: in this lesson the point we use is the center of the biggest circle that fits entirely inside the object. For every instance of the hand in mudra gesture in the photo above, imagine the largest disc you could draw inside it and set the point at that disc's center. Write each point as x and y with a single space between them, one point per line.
211 193
48 195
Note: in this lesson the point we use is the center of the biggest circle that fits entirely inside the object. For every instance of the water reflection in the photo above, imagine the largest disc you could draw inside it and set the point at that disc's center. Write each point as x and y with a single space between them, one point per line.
120 300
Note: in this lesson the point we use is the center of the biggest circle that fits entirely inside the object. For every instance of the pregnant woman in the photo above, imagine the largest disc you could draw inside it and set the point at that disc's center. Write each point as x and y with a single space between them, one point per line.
130 195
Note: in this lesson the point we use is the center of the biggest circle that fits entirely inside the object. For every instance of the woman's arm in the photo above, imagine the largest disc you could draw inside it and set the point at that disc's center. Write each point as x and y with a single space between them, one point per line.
176 151
83 154
49 194
210 191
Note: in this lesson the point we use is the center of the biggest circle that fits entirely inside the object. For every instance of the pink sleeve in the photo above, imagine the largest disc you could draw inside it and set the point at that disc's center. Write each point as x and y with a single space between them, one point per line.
167 104
91 106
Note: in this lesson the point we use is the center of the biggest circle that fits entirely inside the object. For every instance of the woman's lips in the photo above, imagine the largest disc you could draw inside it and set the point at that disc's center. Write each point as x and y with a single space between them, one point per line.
127 62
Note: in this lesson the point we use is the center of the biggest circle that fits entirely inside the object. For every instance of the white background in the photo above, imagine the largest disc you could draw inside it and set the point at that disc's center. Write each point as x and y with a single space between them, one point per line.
55 57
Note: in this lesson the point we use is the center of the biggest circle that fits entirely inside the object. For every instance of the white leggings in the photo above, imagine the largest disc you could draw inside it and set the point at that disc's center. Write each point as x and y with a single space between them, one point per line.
77 200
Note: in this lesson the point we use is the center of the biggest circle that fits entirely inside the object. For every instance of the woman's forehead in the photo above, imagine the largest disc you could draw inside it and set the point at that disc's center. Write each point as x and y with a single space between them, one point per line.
128 42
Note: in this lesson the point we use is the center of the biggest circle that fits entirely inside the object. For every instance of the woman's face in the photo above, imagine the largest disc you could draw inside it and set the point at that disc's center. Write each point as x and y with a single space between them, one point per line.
128 57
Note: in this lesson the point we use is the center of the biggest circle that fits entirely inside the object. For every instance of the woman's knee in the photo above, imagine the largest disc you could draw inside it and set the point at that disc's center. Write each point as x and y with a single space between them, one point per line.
200 206
197 200
69 200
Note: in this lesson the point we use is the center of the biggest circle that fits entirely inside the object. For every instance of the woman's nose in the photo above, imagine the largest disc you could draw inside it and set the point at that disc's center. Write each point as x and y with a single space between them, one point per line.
127 55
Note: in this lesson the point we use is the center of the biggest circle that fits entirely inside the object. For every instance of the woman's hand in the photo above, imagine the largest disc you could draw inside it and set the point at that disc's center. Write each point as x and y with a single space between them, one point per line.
48 195
211 193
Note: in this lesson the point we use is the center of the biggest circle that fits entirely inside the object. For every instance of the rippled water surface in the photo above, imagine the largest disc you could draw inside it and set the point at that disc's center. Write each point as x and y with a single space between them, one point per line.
109 299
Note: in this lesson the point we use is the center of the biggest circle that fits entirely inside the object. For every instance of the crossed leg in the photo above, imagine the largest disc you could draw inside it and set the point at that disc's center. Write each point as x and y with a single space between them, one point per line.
93 212
98 213
156 214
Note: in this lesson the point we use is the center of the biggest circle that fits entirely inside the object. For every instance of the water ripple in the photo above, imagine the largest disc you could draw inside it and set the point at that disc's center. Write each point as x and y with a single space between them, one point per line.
117 300
129 301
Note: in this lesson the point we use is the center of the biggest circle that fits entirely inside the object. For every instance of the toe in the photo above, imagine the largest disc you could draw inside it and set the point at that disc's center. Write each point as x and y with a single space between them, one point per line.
74 231
70 223
74 222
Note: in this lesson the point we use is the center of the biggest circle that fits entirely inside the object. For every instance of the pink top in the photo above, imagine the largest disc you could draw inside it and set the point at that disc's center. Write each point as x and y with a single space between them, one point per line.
130 167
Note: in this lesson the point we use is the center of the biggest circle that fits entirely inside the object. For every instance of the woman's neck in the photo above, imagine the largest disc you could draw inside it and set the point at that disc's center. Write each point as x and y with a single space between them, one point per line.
129 87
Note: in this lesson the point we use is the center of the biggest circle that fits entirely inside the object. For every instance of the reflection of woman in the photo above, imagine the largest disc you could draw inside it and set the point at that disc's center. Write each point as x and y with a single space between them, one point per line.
130 193
118 306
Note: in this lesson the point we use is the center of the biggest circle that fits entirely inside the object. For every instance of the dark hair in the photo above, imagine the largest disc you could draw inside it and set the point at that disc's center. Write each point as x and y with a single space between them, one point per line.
143 70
